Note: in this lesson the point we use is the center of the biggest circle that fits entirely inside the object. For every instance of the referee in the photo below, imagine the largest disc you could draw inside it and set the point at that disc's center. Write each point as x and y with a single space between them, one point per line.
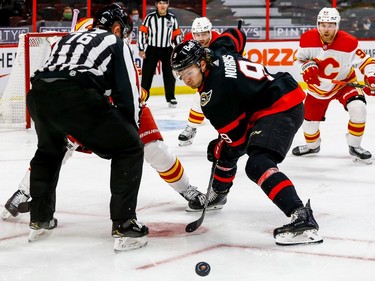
69 97
158 34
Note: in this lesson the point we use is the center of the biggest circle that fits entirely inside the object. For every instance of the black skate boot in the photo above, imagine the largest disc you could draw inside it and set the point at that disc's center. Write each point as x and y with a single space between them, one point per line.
303 229
129 235
216 201
193 195
11 206
360 155
303 149
41 230
187 135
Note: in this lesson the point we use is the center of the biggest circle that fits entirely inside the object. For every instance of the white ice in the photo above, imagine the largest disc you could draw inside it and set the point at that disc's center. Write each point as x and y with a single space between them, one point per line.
236 241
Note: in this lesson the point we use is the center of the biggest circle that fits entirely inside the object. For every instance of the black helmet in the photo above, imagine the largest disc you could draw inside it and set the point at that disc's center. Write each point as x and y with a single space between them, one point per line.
186 54
109 14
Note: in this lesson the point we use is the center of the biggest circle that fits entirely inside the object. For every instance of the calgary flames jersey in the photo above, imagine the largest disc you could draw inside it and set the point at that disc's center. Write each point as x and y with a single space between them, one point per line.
336 61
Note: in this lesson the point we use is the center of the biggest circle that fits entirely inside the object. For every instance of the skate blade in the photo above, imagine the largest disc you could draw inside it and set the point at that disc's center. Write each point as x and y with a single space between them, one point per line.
307 237
185 143
212 208
40 234
124 244
362 161
5 214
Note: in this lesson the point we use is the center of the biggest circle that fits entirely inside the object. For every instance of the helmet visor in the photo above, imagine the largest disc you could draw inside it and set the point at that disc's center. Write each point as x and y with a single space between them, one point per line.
187 73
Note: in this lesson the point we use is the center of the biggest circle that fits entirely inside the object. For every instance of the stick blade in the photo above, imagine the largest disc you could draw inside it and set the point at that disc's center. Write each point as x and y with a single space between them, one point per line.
193 226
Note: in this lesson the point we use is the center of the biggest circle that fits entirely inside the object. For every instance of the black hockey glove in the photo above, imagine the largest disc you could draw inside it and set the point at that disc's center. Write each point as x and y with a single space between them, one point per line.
218 149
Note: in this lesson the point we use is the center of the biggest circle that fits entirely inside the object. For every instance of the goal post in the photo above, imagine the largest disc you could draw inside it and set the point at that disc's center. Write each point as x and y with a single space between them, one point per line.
32 52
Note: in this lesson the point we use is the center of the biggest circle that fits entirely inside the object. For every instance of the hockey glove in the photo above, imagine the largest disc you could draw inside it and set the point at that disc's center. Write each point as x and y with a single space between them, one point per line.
310 72
74 145
370 85
214 149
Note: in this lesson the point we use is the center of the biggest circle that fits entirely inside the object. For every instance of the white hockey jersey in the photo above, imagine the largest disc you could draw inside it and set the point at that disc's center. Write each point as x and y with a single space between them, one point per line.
336 61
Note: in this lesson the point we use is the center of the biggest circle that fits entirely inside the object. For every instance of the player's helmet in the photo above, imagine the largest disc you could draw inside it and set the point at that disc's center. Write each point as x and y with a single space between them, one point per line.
186 54
329 15
109 14
202 24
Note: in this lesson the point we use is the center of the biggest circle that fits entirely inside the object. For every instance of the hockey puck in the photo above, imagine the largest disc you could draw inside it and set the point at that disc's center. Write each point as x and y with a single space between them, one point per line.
202 268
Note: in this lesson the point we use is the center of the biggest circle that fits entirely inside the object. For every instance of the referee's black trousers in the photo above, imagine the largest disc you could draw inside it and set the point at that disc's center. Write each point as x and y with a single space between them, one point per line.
65 108
153 55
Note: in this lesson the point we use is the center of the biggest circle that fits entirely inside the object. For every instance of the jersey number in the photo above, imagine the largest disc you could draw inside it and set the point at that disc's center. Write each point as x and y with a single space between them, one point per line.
253 70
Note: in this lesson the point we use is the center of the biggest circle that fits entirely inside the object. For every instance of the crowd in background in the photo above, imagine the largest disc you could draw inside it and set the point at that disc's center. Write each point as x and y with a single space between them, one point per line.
358 16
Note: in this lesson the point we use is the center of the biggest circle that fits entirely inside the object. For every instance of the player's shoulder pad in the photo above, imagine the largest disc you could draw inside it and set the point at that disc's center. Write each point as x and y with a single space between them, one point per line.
188 36
232 39
345 42
310 38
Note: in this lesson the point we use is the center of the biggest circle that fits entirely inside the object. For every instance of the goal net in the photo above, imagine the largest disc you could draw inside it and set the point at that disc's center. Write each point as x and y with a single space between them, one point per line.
33 50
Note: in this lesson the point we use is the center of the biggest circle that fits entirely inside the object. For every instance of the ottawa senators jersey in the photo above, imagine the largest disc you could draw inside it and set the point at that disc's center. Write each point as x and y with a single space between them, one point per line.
237 92
336 61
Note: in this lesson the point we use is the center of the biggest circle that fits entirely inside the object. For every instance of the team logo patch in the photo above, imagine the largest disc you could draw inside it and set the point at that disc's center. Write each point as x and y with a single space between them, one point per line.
205 98
169 24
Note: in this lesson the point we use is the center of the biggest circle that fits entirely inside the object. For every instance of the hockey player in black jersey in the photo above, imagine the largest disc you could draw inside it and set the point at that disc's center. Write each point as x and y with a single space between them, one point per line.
255 113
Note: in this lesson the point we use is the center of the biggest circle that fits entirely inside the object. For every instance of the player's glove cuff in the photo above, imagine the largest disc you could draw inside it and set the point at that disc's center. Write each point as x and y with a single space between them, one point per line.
310 73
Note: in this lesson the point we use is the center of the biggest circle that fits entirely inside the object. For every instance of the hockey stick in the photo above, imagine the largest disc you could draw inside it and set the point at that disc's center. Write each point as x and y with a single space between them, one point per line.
356 85
239 24
343 83
195 224
74 20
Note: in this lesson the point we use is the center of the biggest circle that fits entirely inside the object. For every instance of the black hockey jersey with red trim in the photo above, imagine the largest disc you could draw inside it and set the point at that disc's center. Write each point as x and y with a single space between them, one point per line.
237 92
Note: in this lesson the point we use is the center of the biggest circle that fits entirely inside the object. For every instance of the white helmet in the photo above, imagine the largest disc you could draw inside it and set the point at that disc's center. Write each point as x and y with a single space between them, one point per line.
201 25
329 15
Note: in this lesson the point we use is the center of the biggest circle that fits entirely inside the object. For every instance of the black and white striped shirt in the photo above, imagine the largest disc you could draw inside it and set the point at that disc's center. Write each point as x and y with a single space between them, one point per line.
96 59
159 31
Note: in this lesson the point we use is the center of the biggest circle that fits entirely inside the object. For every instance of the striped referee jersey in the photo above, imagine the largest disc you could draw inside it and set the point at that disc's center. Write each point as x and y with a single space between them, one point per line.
96 59
159 31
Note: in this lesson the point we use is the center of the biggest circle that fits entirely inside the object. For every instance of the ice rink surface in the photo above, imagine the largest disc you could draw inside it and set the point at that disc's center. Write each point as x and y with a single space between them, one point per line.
236 241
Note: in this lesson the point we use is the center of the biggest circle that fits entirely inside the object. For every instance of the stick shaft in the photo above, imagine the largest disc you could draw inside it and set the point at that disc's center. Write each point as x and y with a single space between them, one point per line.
195 224
74 20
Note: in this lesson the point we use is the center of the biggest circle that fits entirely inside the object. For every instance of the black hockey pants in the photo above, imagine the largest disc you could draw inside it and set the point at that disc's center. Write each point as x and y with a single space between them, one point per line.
65 108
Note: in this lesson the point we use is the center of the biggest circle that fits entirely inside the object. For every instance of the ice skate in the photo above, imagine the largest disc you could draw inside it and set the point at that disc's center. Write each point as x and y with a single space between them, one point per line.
194 196
11 206
41 230
129 235
303 229
216 201
360 155
172 103
186 137
303 150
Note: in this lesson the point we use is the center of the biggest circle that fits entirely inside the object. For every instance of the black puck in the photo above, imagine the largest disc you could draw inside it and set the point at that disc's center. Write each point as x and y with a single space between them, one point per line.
202 268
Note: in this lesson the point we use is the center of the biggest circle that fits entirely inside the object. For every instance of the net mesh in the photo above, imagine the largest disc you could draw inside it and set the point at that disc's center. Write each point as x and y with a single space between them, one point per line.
33 50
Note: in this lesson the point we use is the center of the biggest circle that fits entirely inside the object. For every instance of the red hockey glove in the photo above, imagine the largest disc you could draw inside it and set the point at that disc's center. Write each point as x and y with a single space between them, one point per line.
310 72
370 85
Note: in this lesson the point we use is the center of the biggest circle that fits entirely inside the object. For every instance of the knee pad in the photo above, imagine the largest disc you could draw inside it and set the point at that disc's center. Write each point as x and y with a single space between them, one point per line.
158 155
357 111
258 163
